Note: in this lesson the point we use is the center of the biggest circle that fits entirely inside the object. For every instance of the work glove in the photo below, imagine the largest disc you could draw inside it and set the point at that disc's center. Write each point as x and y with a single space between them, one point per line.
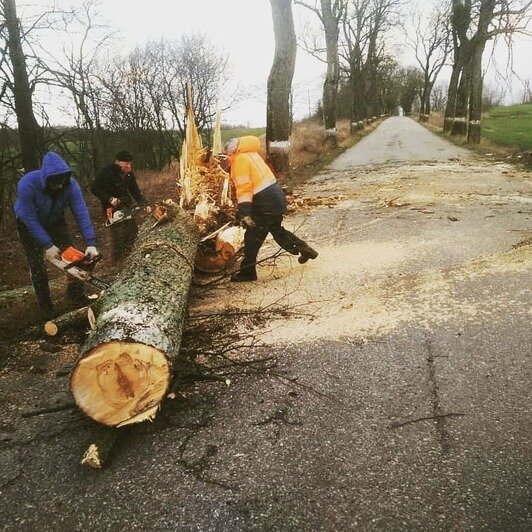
53 252
114 202
247 222
148 209
91 252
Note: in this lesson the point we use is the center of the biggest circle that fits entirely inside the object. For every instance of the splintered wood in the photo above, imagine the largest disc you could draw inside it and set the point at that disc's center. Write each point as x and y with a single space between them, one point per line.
205 190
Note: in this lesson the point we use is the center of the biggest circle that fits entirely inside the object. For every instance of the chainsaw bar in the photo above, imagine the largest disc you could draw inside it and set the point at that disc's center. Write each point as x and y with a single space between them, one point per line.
80 274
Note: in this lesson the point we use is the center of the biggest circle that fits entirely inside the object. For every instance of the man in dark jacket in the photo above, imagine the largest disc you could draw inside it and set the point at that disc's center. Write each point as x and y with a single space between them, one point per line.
39 209
117 189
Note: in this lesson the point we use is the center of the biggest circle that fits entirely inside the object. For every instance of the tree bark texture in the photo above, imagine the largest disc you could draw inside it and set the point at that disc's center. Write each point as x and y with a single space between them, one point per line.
462 103
450 107
475 99
278 121
27 125
125 364
330 86
460 19
479 40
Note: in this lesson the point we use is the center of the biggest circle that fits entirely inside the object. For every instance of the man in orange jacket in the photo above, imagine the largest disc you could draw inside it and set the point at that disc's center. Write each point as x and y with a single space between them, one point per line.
261 205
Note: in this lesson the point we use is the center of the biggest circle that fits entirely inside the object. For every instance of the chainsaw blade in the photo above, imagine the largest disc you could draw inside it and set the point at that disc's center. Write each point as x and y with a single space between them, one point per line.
80 274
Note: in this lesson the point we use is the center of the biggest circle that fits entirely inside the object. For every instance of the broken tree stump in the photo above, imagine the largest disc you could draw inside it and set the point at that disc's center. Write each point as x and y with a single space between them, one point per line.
125 364
100 446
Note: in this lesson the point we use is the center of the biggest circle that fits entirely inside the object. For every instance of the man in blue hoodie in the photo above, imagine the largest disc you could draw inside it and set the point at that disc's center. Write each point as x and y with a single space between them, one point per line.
39 208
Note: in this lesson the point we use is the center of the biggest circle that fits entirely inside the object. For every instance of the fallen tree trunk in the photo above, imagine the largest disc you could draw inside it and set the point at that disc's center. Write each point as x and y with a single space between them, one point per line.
125 364
80 317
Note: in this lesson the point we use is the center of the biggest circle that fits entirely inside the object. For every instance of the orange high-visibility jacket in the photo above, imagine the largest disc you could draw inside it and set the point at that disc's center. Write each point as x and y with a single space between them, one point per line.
249 173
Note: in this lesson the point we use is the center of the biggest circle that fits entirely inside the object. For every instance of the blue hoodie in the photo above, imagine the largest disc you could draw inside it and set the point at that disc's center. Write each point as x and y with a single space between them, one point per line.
38 210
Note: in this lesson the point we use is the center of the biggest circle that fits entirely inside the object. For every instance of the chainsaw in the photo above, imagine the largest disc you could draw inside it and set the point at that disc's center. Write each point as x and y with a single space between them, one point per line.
120 215
75 263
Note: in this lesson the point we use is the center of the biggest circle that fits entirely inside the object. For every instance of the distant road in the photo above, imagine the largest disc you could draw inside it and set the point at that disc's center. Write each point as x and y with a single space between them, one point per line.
398 139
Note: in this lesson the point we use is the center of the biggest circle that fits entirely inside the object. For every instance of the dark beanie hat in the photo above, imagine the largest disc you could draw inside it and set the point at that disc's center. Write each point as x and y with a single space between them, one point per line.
124 155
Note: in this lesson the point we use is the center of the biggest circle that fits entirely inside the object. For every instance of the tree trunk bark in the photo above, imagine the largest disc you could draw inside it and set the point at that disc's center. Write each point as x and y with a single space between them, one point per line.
330 86
125 364
450 107
27 126
459 126
475 99
279 86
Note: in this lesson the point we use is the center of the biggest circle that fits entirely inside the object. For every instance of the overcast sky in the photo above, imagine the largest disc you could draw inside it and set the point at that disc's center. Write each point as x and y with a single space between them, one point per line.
243 29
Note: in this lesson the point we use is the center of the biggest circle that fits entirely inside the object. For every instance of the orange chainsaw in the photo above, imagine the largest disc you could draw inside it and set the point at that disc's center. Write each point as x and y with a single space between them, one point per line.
75 263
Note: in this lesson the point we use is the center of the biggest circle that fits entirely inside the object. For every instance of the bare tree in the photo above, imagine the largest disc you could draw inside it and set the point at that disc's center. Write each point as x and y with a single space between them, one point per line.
85 40
474 23
431 44
28 130
438 96
330 12
278 122
495 18
363 51
412 82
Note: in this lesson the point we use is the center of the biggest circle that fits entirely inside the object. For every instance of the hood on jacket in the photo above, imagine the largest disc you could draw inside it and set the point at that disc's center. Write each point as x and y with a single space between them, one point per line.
52 164
236 146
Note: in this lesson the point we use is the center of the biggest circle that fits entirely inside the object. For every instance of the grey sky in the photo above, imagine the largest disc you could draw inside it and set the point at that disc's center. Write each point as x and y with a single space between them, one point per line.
243 29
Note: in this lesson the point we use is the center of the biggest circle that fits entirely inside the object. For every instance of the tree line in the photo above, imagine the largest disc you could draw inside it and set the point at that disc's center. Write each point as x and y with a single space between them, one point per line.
364 78
139 99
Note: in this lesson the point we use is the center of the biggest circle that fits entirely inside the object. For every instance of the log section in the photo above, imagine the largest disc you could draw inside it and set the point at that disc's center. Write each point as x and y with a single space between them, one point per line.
125 364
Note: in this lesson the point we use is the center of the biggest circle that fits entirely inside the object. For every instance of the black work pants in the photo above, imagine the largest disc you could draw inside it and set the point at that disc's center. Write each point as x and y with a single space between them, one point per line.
123 236
35 255
255 236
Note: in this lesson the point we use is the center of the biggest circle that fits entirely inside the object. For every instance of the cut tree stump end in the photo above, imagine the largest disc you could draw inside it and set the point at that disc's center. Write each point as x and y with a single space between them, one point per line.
119 383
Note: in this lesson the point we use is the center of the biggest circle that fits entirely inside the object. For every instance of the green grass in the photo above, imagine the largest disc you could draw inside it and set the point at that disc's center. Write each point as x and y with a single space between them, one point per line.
509 126
240 132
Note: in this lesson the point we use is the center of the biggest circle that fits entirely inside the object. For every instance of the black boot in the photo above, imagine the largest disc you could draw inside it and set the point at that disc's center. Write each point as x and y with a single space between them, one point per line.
245 274
243 277
306 253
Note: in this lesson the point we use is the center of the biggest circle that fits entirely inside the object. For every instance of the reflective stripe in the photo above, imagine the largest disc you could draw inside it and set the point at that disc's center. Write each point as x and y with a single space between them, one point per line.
245 198
263 186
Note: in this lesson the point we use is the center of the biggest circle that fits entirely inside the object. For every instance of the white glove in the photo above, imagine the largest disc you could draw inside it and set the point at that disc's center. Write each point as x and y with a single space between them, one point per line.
114 202
91 252
53 253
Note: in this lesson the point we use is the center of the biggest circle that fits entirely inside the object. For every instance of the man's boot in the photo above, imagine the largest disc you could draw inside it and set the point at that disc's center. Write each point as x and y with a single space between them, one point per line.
306 253
244 275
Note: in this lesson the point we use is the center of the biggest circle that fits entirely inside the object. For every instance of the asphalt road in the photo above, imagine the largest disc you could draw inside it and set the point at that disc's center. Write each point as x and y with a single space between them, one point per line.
398 139
401 395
